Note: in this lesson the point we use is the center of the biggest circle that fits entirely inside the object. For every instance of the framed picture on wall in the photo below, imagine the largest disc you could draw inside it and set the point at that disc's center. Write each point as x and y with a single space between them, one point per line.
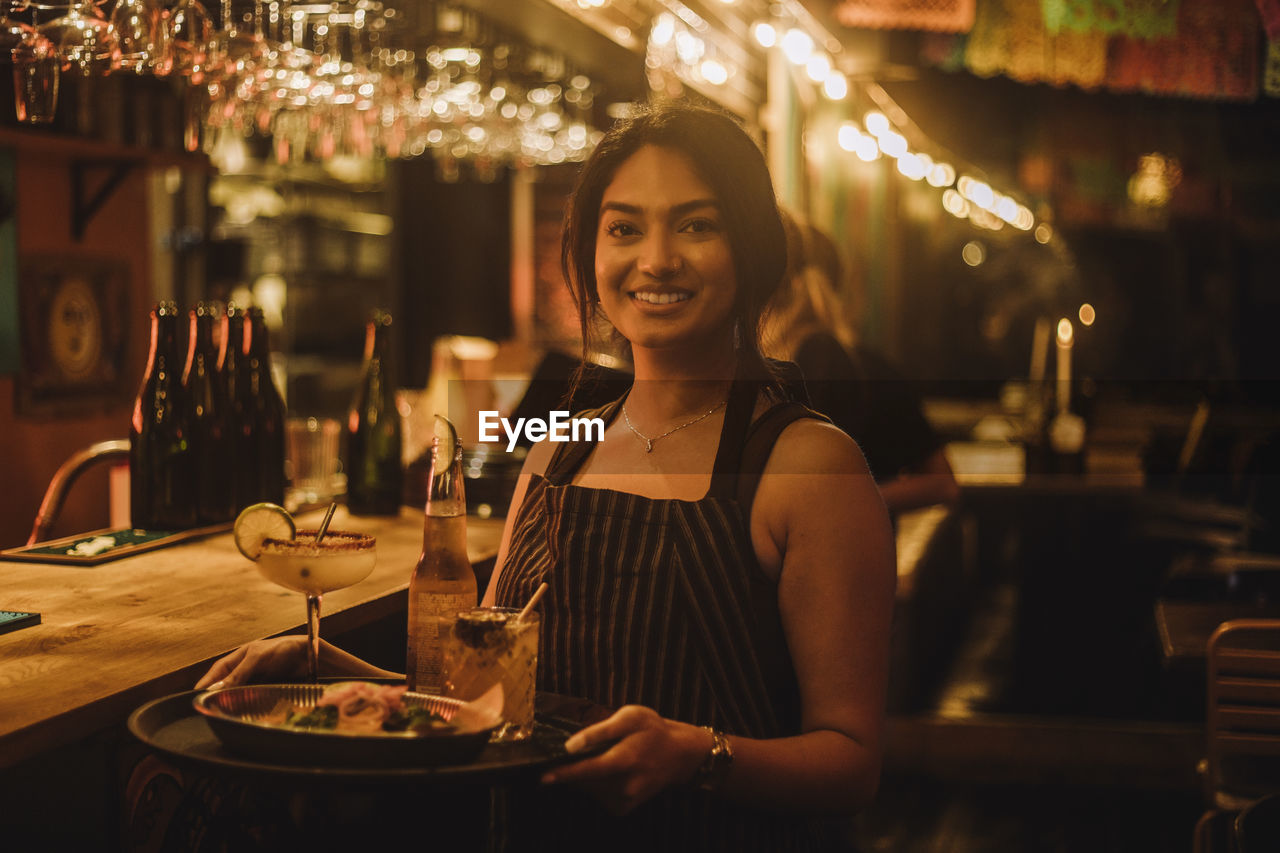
75 327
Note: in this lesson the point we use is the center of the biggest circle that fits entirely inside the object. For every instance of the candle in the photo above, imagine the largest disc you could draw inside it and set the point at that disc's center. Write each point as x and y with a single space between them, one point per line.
1065 339
1039 351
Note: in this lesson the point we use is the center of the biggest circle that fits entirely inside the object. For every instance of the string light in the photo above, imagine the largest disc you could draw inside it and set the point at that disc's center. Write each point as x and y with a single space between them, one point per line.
835 86
818 67
867 149
713 72
955 204
847 136
941 175
910 165
892 143
806 45
797 46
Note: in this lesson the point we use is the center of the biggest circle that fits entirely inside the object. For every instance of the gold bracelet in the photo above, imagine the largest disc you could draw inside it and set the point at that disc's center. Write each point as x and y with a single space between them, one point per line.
715 767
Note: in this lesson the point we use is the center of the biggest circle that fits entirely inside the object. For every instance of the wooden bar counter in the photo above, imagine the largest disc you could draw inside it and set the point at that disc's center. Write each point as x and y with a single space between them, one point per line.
118 634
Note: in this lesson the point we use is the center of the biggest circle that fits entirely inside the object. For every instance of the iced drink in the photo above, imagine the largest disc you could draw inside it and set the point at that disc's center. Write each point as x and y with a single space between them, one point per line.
487 646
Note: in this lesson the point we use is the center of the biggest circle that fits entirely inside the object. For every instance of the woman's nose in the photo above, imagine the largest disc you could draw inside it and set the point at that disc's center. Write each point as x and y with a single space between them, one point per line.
659 256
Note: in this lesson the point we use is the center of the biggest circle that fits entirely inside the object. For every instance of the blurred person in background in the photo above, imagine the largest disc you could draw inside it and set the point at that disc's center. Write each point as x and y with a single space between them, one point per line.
858 389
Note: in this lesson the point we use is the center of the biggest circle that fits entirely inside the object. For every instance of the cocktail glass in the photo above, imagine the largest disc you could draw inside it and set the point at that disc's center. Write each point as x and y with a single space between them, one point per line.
485 646
313 568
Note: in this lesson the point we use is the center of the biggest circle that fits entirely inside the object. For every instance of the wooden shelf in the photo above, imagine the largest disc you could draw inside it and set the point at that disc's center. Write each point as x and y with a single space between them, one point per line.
60 146
86 158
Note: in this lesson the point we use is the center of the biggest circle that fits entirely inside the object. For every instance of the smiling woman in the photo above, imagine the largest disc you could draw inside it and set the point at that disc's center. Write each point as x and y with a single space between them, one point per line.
738 623
714 166
663 267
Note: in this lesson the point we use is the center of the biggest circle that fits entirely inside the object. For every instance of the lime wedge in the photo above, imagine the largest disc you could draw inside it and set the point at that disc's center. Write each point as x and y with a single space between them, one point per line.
259 522
447 436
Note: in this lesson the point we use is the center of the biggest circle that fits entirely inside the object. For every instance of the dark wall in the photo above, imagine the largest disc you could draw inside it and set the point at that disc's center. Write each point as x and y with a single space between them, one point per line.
454 257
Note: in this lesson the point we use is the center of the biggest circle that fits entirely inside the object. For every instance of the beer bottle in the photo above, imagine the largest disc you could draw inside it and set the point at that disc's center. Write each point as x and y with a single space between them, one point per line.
375 478
443 582
208 415
162 477
264 410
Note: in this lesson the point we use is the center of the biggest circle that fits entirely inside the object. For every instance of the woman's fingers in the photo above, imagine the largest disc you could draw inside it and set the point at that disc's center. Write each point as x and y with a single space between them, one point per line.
624 721
617 759
648 753
221 668
282 657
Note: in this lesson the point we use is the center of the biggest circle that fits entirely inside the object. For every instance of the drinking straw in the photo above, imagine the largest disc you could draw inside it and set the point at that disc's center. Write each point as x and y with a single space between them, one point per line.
533 600
324 525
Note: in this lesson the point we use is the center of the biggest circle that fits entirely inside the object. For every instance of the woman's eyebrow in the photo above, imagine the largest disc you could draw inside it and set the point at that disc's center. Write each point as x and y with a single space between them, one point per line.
694 204
676 210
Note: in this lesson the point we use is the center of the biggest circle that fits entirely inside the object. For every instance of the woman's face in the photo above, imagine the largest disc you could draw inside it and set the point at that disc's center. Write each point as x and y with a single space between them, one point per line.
664 269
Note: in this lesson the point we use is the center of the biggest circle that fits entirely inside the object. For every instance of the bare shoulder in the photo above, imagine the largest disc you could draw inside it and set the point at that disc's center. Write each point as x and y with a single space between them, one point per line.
811 446
816 502
539 458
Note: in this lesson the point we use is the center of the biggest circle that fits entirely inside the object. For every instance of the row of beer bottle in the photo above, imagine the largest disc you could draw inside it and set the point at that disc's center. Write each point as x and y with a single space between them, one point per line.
207 433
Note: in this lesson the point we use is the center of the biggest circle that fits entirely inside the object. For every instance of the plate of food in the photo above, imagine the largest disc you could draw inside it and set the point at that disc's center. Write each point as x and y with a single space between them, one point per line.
349 723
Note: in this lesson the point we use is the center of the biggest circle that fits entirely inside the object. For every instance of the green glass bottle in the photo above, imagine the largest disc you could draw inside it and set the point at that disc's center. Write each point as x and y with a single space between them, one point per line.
375 476
235 378
208 413
162 473
264 415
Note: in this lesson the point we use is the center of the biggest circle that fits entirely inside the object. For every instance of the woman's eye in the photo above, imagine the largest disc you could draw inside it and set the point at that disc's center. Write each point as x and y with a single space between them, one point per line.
619 229
699 226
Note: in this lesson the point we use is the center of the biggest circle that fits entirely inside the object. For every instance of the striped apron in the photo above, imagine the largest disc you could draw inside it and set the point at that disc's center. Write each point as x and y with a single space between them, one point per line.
662 603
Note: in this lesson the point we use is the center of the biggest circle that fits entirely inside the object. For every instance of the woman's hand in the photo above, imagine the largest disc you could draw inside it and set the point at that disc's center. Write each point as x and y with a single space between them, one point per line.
651 753
276 659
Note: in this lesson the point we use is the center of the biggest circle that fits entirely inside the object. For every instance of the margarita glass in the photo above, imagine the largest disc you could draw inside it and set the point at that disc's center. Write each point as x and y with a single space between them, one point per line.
303 564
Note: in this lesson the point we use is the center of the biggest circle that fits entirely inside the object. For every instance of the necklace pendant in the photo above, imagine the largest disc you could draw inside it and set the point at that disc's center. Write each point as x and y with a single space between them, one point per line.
648 445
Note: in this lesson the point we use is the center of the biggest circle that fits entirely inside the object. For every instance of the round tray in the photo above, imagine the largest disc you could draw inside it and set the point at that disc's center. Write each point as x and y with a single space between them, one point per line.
172 726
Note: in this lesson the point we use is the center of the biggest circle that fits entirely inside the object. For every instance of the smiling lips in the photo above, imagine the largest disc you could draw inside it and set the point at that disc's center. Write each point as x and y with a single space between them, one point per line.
664 298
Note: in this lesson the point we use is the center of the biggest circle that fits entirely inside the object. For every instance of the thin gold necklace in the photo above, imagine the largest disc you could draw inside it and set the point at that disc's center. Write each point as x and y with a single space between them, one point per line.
648 442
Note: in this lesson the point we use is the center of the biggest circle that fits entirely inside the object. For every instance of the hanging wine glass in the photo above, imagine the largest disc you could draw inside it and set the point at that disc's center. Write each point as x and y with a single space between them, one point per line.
35 69
189 33
237 64
143 36
234 50
83 39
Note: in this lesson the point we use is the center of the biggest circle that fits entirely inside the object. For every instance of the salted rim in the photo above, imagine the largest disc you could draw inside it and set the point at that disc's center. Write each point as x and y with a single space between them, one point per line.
334 541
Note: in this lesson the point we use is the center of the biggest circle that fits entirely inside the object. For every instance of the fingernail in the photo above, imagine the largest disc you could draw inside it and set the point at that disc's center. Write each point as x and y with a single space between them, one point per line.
217 685
574 743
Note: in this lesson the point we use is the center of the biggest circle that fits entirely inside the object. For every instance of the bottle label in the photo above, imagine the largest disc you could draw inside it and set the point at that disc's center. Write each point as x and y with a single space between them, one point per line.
424 634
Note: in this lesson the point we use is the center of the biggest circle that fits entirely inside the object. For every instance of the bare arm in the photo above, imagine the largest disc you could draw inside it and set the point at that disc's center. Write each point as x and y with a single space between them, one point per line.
828 530
818 520
931 482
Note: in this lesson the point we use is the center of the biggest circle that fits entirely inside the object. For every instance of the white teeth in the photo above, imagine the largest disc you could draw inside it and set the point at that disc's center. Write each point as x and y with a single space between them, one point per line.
659 298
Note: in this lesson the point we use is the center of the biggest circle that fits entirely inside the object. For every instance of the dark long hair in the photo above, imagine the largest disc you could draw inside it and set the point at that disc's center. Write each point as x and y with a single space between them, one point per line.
731 164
